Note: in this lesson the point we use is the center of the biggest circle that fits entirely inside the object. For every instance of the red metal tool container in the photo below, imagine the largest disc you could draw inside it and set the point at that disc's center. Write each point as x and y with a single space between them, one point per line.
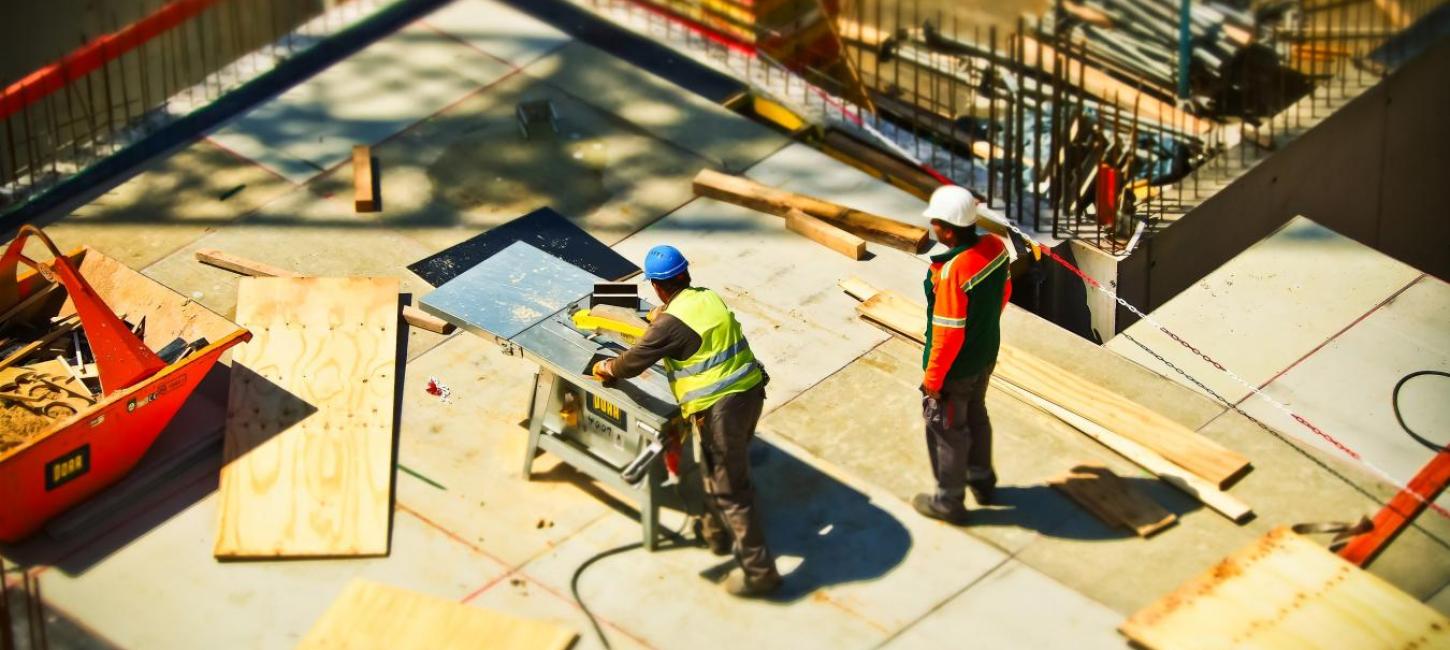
83 454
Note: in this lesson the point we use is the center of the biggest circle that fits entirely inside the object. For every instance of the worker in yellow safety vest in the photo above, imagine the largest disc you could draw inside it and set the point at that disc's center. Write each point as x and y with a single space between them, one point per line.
720 386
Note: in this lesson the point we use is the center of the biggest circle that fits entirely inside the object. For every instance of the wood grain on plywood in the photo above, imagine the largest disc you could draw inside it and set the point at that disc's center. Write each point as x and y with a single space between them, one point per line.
1285 591
309 430
370 615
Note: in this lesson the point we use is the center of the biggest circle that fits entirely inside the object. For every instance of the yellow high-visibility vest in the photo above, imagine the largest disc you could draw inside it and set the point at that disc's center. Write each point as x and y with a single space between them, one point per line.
724 363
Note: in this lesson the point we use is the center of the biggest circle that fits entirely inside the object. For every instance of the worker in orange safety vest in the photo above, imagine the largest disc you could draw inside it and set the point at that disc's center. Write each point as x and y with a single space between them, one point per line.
967 288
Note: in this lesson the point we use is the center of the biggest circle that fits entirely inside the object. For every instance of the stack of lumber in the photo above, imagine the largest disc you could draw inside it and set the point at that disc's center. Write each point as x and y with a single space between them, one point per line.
309 429
1284 591
1178 455
372 615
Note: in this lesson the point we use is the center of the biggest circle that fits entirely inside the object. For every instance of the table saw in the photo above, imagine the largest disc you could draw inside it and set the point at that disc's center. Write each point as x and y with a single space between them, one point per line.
524 299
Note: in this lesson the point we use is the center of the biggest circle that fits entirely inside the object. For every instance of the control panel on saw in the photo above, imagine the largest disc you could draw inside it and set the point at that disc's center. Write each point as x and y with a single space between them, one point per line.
596 424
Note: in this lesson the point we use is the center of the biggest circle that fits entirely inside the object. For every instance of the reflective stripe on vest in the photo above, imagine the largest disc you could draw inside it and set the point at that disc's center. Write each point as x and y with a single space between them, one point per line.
724 363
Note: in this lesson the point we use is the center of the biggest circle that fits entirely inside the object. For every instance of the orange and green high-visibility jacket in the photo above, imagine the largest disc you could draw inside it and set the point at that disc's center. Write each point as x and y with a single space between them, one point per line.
967 288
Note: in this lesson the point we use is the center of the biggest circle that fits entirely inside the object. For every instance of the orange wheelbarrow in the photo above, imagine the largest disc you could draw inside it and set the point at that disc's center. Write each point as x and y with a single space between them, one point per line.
82 453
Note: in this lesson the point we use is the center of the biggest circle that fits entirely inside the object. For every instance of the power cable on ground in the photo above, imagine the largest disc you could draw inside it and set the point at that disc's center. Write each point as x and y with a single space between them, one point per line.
1395 403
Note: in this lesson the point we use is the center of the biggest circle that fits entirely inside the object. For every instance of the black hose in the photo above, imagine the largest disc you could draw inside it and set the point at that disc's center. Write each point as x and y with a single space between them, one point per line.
1395 403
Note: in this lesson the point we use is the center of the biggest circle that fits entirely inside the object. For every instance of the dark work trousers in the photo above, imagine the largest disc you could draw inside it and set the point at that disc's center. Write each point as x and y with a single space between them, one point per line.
959 437
726 429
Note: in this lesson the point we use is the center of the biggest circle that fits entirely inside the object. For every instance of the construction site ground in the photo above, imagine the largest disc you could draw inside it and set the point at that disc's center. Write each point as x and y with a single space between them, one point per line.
841 447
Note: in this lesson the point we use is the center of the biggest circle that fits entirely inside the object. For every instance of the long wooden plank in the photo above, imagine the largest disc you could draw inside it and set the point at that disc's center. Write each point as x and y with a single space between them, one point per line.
747 193
309 428
1209 495
825 234
369 615
1113 500
1177 443
241 265
1427 485
365 197
1285 591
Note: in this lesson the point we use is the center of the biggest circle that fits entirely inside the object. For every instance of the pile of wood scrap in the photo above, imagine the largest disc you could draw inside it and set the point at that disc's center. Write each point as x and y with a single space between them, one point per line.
44 363
842 229
1176 454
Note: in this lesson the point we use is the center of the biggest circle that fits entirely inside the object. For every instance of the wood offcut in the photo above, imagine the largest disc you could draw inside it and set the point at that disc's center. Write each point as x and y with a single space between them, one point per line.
1113 500
372 615
308 448
1285 591
825 234
365 196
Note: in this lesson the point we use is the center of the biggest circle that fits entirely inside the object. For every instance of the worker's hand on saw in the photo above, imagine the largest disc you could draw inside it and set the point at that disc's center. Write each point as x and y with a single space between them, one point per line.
601 371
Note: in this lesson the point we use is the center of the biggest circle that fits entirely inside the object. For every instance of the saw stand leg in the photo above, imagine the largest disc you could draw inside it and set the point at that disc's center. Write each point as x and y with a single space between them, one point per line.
543 388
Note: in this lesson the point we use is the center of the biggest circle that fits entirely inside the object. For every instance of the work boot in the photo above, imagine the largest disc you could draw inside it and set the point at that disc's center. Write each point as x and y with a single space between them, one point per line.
928 506
983 493
712 537
740 586
718 545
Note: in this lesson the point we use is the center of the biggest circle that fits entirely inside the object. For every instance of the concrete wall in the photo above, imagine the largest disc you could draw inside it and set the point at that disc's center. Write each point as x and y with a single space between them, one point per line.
1377 171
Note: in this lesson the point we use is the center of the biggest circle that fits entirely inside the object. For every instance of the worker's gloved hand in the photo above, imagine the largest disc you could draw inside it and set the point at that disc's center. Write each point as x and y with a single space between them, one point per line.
603 372
934 394
654 313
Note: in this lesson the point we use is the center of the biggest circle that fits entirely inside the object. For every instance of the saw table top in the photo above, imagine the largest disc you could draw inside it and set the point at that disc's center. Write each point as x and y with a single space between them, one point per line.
524 297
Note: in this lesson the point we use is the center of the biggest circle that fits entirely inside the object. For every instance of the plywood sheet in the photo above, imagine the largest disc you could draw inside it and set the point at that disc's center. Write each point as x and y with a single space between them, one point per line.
372 615
1285 591
309 430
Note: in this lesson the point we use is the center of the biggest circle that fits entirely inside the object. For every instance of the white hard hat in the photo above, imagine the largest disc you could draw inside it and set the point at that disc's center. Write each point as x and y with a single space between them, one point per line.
954 205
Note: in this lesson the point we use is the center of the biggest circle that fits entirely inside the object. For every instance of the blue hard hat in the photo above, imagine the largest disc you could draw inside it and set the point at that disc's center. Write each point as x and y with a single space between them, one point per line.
664 262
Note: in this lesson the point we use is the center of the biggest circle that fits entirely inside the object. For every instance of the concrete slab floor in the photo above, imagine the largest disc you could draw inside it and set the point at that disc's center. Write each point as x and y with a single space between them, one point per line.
1411 333
170 202
470 450
133 598
1045 531
1267 308
498 29
1008 609
469 168
726 140
363 99
859 566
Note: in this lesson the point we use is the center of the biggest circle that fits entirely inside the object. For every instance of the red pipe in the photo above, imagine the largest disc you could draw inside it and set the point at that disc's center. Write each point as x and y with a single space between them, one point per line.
91 56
